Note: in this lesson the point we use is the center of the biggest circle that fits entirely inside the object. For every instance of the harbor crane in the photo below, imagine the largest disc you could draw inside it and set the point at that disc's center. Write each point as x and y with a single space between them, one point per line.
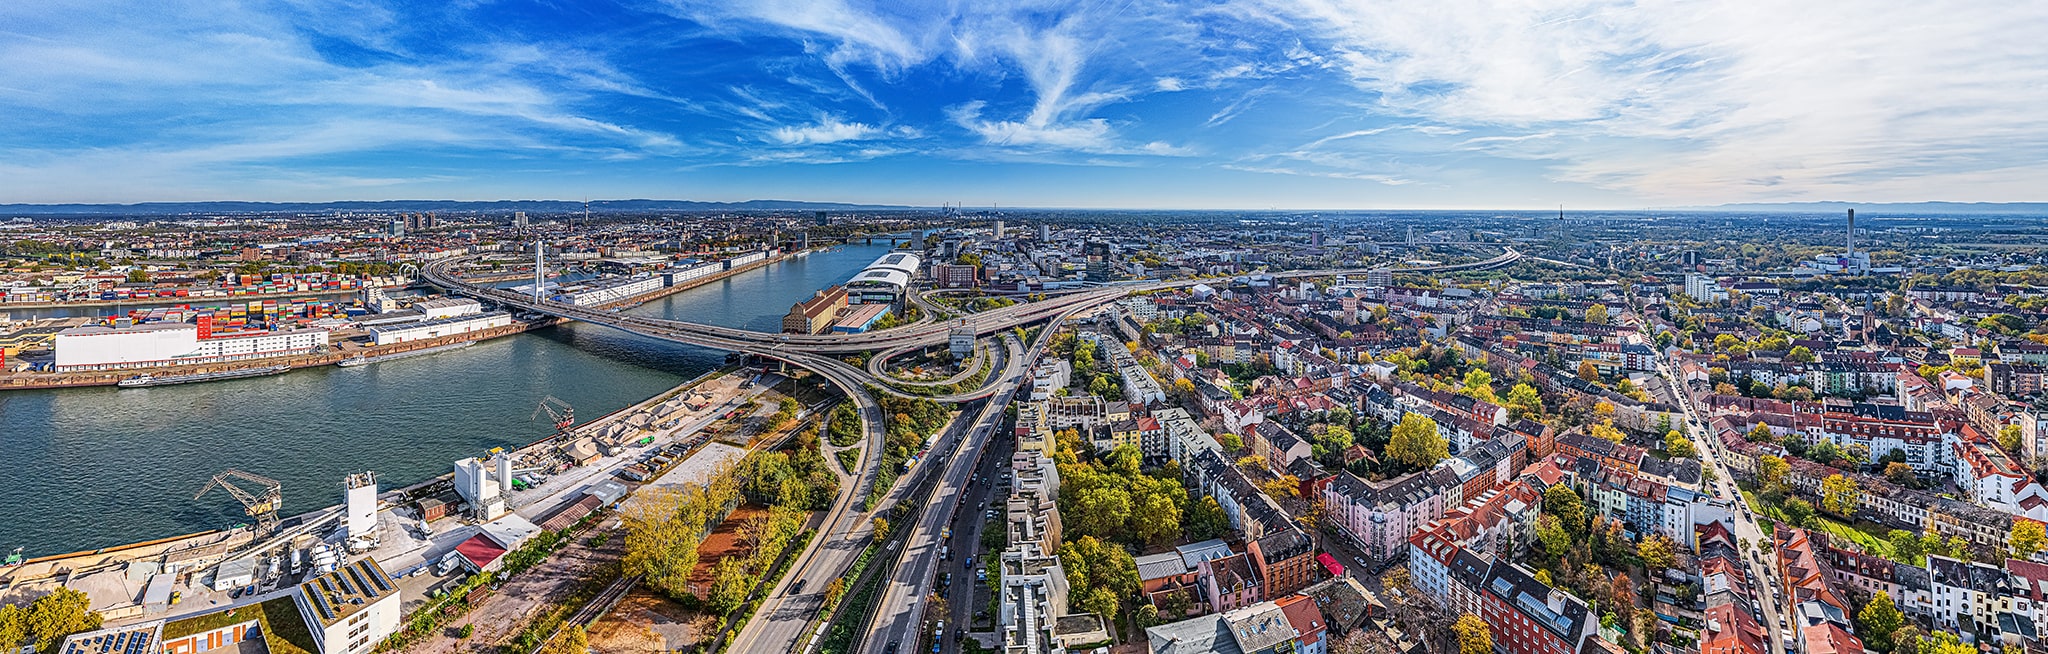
557 410
261 505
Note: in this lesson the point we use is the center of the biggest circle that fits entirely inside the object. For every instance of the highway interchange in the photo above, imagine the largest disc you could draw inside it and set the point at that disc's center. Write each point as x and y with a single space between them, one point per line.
785 621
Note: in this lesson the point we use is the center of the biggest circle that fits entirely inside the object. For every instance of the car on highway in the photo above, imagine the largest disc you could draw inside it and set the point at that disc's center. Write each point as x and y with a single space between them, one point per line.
797 587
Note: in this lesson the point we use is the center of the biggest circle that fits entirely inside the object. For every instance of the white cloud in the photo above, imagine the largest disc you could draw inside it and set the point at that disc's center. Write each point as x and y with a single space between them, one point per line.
829 129
1704 101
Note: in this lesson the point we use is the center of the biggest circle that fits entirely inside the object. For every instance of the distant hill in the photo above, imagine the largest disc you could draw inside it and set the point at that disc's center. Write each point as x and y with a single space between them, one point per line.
535 206
1978 208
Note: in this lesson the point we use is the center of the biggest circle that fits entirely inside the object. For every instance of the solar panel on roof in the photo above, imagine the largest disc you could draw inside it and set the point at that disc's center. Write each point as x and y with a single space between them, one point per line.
356 576
377 577
320 605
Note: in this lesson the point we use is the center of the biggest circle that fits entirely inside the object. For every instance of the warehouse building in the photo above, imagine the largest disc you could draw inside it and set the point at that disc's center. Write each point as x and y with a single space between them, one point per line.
420 331
98 347
813 315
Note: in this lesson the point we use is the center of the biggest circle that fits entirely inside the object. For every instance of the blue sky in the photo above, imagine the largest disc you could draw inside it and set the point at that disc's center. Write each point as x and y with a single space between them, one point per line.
1252 104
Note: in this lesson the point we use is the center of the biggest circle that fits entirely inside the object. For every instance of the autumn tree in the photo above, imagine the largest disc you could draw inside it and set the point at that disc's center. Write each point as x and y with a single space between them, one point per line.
1478 385
1474 637
1416 442
729 585
1770 473
2009 438
1677 445
1605 430
1840 495
1597 314
1523 401
1658 553
1900 473
1588 371
1551 534
1231 441
1800 354
2027 538
1761 433
574 639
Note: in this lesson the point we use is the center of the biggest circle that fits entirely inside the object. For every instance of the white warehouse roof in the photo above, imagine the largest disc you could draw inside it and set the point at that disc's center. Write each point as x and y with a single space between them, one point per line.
874 276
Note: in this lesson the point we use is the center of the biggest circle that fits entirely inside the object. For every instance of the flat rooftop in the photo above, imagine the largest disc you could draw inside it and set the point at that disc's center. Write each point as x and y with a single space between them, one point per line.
336 595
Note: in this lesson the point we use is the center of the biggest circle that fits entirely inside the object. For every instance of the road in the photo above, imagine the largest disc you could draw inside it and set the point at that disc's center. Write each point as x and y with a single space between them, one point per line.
899 614
1762 569
789 606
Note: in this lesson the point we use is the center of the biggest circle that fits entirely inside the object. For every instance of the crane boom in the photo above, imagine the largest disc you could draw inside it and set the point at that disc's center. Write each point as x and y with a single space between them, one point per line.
261 505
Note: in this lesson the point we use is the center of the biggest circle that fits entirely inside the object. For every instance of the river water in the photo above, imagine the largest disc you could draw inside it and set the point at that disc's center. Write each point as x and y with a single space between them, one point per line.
94 467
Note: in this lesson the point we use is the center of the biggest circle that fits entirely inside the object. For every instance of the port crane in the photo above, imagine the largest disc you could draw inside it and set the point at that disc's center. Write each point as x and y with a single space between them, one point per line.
261 505
557 410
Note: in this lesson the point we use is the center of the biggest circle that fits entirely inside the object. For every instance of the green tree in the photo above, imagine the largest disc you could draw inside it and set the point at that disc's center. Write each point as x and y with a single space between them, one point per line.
1101 510
1231 441
56 615
1824 452
1798 512
1906 547
2009 438
1550 532
1800 354
1156 518
1474 637
1563 502
1416 442
1840 495
2027 538
1878 619
729 585
1205 519
138 276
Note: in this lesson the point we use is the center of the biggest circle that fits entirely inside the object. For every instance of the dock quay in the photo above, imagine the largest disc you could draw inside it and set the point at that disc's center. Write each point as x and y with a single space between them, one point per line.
336 354
670 423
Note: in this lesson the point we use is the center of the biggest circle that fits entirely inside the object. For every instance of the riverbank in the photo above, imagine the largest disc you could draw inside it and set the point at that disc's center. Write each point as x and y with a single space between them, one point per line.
333 355
150 302
99 572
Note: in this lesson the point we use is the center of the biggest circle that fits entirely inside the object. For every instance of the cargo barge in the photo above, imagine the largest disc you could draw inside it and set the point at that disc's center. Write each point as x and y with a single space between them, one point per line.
147 380
360 360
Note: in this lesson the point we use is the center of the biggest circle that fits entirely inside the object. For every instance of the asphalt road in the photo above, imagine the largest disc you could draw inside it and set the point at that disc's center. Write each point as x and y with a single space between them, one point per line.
1762 569
899 614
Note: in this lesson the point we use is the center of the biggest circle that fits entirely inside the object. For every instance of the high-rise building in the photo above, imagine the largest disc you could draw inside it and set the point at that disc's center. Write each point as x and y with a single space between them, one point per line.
1044 232
999 230
519 220
396 229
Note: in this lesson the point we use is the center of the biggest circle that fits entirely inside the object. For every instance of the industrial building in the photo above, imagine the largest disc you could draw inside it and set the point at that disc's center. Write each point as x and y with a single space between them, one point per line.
447 307
813 315
484 485
418 331
98 347
351 609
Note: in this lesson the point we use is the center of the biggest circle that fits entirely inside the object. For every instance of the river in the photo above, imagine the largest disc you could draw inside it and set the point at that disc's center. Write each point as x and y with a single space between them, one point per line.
95 467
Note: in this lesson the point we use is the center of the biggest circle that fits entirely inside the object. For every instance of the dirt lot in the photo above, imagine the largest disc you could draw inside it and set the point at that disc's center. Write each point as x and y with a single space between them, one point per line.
500 617
722 542
647 623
